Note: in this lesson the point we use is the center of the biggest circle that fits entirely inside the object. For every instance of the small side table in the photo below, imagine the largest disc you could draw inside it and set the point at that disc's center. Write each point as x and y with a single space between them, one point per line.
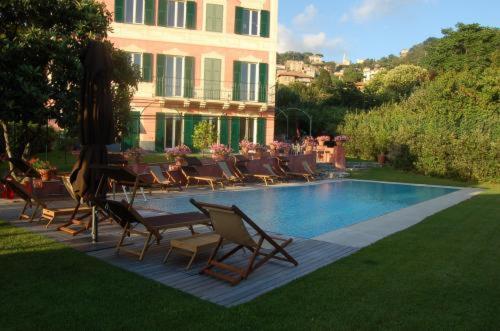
190 246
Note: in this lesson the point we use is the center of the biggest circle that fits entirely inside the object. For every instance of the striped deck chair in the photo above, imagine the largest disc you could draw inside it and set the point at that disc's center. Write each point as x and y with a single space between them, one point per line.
230 223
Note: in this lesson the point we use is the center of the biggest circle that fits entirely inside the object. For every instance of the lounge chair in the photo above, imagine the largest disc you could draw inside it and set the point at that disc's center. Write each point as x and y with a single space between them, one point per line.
308 169
191 173
82 224
124 177
273 172
231 224
160 179
36 204
283 164
22 169
240 164
130 219
230 176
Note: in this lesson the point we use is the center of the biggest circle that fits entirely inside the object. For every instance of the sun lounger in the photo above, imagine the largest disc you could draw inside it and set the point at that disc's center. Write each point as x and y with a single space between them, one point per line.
308 169
80 222
192 174
22 169
273 173
164 182
228 174
283 164
230 223
240 165
150 227
36 204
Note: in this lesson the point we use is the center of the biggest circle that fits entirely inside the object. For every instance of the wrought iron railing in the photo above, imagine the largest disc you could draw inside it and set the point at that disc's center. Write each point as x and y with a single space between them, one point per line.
212 90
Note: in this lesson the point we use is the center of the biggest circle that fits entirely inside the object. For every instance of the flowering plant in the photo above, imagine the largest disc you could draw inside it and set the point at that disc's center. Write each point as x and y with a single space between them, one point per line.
248 145
179 150
342 138
135 153
323 138
220 149
308 141
279 145
40 165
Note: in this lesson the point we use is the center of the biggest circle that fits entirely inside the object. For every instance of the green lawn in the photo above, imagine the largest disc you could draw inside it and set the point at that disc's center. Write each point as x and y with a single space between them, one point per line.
442 273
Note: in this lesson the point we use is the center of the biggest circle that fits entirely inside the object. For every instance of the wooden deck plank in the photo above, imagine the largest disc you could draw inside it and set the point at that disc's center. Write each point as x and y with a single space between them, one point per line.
311 255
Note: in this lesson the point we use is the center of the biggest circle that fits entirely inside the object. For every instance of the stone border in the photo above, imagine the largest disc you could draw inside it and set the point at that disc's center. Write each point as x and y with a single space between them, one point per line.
367 232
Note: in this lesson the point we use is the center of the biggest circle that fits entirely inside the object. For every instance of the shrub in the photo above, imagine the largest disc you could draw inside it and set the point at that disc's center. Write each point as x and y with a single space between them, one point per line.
204 135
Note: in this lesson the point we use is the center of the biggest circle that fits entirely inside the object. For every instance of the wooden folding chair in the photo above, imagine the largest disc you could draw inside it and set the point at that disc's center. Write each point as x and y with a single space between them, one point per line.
228 174
132 222
31 201
283 165
22 169
230 223
82 213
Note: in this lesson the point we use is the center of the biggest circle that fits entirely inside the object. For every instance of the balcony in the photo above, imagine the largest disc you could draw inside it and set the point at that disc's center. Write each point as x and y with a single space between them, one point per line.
214 92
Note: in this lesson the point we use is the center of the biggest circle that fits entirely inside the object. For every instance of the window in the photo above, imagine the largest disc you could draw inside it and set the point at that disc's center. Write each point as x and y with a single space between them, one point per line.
134 11
143 61
173 131
247 129
174 74
248 81
214 17
176 14
250 23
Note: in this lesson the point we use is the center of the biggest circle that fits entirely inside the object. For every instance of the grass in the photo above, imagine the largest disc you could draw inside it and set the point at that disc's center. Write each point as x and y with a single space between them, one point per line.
440 274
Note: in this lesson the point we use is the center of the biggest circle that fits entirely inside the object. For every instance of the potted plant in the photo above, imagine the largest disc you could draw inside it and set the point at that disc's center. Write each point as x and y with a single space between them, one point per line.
136 154
220 151
44 168
284 148
177 153
322 139
246 146
308 144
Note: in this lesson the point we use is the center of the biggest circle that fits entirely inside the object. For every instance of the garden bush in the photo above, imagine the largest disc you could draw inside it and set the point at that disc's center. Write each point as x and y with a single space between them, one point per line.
449 127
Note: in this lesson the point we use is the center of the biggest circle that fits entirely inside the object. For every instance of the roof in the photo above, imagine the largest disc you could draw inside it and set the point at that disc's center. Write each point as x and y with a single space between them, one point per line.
293 74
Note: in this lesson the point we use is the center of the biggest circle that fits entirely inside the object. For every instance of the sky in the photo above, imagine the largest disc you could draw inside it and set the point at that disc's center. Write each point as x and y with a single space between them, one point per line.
373 28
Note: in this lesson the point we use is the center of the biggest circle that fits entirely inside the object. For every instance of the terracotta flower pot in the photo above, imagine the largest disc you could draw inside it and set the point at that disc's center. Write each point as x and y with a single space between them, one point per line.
45 174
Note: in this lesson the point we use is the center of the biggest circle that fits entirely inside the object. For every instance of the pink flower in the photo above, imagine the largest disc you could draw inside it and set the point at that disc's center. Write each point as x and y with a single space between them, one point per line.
178 150
342 138
220 149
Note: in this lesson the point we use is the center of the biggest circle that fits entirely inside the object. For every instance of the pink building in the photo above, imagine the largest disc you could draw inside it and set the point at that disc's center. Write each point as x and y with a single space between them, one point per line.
200 60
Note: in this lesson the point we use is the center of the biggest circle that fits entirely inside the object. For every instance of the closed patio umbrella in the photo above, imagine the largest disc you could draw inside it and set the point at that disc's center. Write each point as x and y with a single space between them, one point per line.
96 122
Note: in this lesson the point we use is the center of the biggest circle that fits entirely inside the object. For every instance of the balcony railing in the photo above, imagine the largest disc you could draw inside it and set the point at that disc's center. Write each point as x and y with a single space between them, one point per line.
211 90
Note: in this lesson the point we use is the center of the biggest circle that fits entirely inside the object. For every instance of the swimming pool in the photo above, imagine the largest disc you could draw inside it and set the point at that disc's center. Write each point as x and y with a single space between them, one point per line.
308 211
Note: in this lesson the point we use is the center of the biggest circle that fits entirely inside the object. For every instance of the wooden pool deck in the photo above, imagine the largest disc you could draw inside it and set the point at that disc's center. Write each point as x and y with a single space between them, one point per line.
311 255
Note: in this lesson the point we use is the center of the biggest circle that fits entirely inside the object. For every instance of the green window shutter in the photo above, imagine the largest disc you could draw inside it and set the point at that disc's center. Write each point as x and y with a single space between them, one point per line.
149 17
261 131
224 131
212 78
160 132
119 11
162 13
134 129
235 133
191 15
147 67
160 75
263 78
188 77
236 80
238 20
265 17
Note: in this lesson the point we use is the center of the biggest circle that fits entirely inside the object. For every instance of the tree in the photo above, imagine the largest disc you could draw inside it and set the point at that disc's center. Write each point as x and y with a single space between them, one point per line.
352 75
205 134
469 46
40 70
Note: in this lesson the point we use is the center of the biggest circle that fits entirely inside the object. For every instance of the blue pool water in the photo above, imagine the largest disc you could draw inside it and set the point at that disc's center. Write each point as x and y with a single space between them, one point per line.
311 210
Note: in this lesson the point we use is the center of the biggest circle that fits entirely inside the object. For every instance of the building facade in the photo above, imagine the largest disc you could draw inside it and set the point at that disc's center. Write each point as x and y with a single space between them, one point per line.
200 60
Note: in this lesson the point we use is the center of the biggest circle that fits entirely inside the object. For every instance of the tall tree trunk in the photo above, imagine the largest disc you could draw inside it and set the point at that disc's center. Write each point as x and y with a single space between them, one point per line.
8 150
